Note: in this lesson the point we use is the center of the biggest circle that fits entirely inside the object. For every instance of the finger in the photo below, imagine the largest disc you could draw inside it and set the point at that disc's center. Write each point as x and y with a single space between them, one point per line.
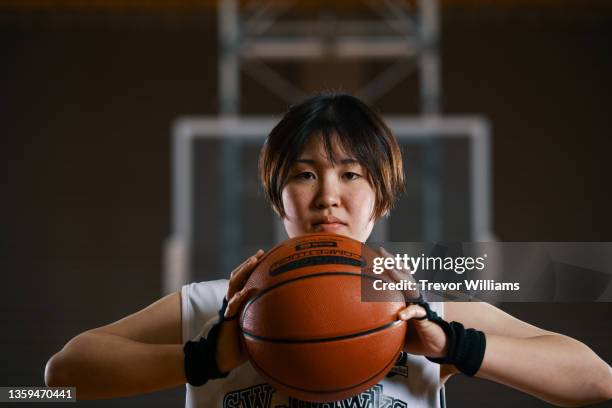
241 274
388 271
411 312
395 273
398 276
247 267
384 252
245 262
236 302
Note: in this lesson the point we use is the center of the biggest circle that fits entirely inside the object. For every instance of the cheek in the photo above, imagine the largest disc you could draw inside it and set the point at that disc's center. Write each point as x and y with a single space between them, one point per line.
363 201
292 201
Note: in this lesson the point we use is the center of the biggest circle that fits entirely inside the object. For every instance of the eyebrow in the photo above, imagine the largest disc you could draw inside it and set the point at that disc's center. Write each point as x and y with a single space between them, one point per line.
342 161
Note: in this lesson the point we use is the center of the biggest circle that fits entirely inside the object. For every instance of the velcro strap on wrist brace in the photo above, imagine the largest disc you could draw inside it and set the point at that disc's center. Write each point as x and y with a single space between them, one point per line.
466 347
201 356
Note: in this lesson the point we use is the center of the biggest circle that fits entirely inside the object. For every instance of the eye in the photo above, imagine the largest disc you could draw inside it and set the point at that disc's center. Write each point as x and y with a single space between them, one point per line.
349 175
305 175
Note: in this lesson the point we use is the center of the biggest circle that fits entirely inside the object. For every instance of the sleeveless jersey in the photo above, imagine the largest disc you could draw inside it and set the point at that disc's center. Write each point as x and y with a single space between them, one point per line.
413 383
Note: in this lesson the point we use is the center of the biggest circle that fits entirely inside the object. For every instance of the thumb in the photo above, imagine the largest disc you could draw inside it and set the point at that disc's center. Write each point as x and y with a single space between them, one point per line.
415 312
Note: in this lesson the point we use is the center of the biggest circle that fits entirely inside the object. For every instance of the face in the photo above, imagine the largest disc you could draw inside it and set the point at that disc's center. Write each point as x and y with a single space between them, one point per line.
322 196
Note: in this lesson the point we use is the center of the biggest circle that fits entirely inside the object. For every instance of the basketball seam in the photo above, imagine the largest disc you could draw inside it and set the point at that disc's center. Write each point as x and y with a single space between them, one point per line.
314 275
335 390
322 339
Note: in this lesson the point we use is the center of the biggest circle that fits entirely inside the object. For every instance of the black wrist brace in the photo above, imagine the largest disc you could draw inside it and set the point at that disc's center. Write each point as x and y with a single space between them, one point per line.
466 347
201 356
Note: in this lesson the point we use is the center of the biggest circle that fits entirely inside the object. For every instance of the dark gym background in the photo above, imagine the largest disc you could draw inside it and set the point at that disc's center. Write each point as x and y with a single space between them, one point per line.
88 95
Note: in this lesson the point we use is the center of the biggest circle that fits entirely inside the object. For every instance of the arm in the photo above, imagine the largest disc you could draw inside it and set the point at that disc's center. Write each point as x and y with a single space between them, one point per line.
547 365
143 352
137 354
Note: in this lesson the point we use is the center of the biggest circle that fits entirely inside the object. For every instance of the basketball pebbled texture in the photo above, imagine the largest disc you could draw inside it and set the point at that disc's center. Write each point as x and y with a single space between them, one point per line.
306 329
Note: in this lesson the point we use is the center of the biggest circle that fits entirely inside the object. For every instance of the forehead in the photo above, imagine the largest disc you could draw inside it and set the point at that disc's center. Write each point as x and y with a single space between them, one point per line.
324 148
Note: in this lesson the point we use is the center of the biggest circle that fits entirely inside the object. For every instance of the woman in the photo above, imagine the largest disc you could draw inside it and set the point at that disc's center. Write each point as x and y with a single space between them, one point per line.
332 165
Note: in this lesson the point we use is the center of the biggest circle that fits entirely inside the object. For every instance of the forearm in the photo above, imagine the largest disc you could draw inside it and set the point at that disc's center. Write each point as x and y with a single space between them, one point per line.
555 368
103 365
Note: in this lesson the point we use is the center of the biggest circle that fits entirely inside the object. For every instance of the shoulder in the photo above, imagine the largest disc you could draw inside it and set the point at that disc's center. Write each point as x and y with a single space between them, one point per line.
200 302
206 291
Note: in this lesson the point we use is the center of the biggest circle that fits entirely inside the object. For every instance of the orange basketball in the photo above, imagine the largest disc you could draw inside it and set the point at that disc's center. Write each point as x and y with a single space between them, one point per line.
306 329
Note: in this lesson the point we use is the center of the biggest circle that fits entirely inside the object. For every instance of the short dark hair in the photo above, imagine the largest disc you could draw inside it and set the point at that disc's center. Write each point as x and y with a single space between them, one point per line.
360 131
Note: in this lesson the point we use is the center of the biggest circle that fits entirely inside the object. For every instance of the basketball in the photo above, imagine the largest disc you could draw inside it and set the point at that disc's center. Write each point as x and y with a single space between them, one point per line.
306 329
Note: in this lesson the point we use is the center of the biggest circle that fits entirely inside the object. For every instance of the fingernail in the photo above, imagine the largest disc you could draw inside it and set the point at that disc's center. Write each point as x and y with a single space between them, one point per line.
403 315
384 251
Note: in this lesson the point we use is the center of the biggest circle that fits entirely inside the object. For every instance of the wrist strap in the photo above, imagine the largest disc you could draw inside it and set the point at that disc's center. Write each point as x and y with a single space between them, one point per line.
201 356
466 347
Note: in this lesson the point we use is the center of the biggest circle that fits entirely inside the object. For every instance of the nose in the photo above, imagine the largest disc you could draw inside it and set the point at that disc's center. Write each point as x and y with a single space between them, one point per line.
328 194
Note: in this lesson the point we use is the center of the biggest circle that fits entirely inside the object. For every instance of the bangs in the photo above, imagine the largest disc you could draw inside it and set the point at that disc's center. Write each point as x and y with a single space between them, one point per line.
338 128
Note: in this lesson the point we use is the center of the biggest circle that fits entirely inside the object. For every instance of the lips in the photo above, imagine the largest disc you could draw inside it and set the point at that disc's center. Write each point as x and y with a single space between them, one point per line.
328 223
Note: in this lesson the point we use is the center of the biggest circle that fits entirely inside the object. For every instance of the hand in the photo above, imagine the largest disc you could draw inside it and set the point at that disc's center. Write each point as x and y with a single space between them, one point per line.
230 353
423 337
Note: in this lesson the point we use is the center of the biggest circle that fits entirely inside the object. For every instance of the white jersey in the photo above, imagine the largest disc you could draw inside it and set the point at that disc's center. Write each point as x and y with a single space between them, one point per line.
413 385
